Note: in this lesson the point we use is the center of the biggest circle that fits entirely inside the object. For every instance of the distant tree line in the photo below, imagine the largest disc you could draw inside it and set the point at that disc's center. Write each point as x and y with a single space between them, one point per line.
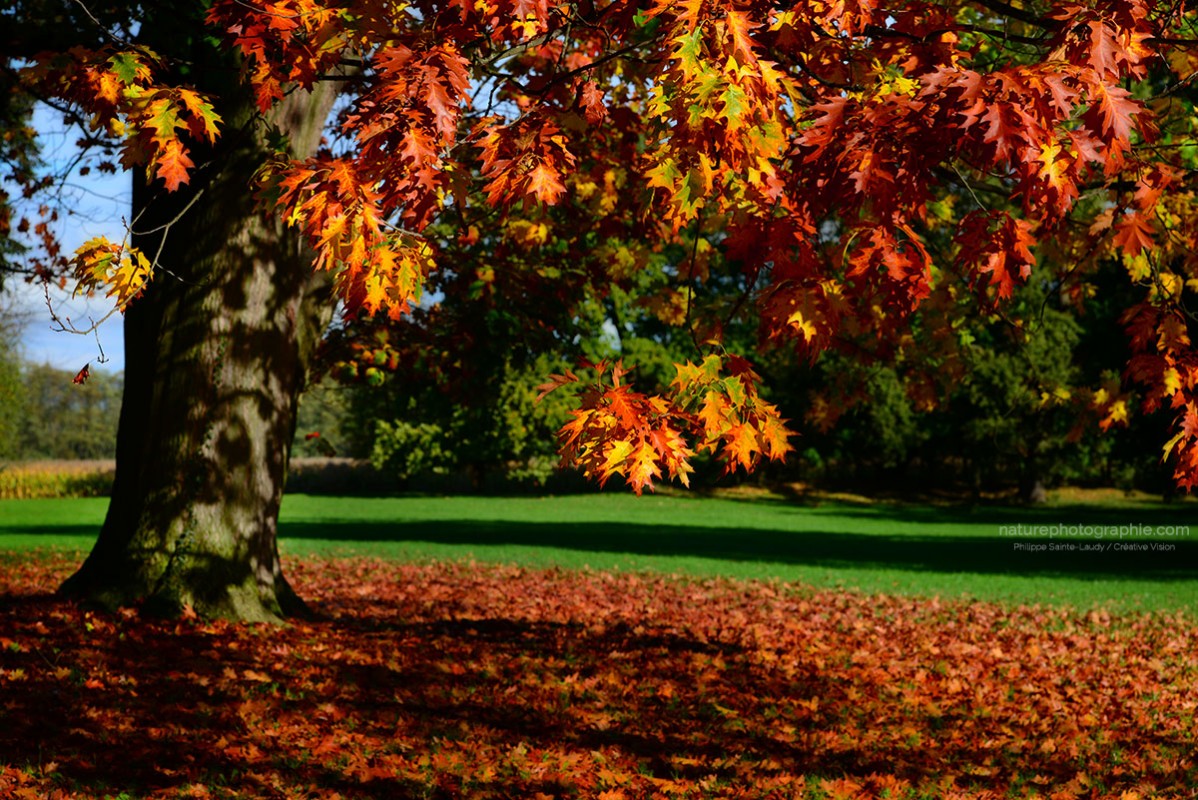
43 415
1003 419
1011 411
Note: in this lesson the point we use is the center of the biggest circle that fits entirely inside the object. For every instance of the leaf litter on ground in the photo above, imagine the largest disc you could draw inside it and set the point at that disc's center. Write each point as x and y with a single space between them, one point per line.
481 681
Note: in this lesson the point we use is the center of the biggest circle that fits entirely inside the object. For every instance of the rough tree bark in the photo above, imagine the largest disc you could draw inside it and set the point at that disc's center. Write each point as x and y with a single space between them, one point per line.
216 353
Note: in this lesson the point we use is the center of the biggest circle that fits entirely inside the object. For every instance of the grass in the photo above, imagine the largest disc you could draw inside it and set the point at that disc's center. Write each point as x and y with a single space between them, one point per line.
919 550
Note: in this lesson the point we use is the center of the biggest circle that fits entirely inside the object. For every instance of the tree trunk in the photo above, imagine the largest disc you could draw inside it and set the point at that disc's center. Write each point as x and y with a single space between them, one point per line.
216 353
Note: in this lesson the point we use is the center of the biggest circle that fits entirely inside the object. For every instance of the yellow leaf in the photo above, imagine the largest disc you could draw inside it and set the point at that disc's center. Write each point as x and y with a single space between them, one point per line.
644 468
742 445
1117 413
616 456
713 415
775 437
110 87
1169 445
130 277
1168 285
124 270
1052 168
802 323
1172 381
1137 266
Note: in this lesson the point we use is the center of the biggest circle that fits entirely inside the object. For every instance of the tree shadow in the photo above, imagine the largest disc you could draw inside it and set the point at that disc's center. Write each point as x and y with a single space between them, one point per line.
411 693
988 555
706 726
1066 513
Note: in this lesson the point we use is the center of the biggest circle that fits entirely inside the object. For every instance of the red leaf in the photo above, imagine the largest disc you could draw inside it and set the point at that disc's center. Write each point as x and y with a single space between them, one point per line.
591 100
998 244
1113 110
1133 233
555 382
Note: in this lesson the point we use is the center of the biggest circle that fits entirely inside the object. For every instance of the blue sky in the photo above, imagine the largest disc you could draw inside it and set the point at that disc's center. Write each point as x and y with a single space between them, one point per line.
91 205
41 344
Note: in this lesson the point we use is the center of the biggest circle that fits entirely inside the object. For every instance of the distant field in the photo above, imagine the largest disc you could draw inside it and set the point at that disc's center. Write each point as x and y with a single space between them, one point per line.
22 480
950 552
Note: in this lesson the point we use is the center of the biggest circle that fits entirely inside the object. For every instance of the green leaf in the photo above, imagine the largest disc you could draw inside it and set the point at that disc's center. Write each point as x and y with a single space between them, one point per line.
126 66
734 100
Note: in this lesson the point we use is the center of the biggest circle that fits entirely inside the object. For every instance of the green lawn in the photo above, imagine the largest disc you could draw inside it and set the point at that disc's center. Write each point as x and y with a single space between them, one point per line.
879 548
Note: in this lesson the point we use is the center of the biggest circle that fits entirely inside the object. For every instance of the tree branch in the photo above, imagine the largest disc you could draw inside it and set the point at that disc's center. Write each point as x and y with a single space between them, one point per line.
878 32
1023 15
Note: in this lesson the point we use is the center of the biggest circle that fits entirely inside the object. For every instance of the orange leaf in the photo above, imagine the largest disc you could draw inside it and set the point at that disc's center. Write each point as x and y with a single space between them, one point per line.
1133 233
173 163
545 184
743 446
643 468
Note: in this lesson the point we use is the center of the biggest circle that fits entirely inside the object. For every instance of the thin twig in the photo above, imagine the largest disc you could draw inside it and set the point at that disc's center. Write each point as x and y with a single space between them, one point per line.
102 359
100 25
969 188
64 323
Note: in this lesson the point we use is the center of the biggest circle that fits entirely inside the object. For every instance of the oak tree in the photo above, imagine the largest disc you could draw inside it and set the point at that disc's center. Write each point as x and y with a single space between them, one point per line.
857 164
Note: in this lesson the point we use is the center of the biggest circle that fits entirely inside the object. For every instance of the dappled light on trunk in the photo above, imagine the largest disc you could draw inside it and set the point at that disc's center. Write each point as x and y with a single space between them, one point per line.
217 351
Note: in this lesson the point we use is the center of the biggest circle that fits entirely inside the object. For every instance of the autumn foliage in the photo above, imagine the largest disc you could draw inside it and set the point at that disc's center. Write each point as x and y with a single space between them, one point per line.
867 169
478 681
621 431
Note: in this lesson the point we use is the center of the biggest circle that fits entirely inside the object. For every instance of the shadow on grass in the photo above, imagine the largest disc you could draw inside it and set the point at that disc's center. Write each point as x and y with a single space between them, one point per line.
984 552
1139 513
945 553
